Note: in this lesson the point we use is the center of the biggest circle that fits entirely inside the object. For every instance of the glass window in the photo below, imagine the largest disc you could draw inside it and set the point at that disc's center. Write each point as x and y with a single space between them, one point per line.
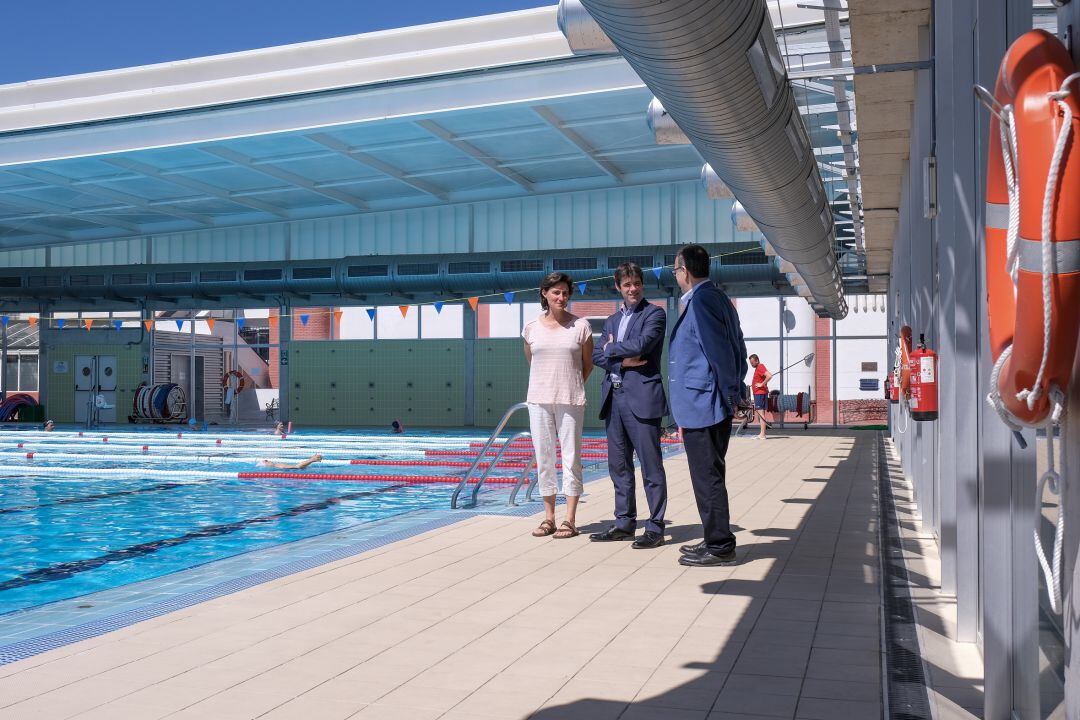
866 316
355 324
393 326
759 317
503 321
28 372
448 323
11 373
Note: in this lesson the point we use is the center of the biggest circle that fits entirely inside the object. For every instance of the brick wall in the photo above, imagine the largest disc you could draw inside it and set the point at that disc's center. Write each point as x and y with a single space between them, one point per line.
823 369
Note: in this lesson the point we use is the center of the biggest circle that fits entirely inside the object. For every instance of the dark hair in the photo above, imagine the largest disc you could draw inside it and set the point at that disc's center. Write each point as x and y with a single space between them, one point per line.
628 269
754 357
696 260
551 281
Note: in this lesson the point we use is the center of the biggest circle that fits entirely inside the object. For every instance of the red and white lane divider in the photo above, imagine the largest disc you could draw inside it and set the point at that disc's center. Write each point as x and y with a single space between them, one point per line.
142 473
508 454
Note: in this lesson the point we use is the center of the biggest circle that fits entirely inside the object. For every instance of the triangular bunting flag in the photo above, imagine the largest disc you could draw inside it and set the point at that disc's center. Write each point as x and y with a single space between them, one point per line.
581 287
148 324
210 323
404 310
5 320
474 301
32 320
118 324
240 323
509 297
337 315
657 270
180 326
438 307
60 323
273 321
303 320
88 323
370 314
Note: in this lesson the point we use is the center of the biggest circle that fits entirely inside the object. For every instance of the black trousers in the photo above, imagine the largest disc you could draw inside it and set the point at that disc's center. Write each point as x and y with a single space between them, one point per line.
626 434
706 449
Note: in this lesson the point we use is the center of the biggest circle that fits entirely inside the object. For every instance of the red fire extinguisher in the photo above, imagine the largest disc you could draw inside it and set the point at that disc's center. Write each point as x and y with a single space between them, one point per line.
924 394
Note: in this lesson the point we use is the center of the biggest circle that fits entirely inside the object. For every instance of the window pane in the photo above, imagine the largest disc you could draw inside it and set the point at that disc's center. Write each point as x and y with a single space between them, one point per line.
11 374
759 317
28 373
356 324
866 316
503 321
392 326
445 324
860 375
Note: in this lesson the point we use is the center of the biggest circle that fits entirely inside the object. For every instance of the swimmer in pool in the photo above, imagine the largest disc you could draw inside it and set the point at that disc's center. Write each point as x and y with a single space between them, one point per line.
49 426
300 465
279 429
396 427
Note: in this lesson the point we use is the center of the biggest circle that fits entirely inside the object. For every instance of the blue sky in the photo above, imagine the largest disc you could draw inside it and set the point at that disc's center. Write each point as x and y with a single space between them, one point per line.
48 38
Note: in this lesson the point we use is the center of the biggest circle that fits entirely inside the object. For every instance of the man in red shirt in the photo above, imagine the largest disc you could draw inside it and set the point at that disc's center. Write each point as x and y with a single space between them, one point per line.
760 385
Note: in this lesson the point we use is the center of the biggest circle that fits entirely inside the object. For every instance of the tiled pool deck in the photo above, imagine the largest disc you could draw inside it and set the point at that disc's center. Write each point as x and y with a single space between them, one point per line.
479 620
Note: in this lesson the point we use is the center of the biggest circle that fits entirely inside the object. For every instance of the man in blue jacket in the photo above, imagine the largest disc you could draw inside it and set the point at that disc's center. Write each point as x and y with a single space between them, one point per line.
706 366
632 405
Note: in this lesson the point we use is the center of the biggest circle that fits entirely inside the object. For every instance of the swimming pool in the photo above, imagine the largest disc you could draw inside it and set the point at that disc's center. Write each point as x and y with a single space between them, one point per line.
124 514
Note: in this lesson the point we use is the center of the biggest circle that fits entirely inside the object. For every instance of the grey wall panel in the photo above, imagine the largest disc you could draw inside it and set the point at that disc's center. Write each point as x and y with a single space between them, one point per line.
25 257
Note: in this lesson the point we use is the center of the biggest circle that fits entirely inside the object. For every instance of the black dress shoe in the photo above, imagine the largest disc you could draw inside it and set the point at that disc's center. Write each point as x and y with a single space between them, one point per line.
707 559
611 534
693 549
648 539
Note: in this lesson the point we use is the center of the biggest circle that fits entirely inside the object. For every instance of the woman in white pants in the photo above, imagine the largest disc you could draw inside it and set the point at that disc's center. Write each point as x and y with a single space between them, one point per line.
559 349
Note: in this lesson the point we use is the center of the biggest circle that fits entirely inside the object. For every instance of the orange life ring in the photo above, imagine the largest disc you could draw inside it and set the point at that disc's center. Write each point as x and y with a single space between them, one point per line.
905 361
1033 350
237 374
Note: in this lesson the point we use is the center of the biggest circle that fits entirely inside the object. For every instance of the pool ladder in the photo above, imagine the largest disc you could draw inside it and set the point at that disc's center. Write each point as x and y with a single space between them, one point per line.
530 463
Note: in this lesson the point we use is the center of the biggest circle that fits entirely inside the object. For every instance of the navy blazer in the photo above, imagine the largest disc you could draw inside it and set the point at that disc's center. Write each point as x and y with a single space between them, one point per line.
644 338
706 360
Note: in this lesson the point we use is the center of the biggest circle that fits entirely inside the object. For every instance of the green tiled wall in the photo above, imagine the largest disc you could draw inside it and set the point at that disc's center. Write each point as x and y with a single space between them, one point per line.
502 379
371 382
365 382
60 403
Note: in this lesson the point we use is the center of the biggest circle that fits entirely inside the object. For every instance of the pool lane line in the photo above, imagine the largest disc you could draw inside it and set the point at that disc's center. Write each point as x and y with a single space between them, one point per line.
65 570
100 496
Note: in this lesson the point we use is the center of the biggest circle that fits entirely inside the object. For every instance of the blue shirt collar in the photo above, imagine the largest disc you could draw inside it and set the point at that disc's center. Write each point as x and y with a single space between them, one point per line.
686 296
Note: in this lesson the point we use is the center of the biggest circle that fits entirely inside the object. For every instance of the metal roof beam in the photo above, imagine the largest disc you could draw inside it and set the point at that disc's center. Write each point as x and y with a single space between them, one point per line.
286 176
474 152
579 142
192 184
374 163
135 201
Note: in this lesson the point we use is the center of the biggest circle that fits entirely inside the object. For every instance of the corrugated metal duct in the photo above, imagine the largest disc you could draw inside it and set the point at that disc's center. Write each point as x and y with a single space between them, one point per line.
715 67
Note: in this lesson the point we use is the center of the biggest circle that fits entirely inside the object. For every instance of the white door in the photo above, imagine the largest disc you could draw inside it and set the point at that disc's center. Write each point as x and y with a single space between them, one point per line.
85 381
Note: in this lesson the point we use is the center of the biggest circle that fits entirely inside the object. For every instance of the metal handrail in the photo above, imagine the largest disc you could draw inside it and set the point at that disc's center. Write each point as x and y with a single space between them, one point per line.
498 456
529 465
483 453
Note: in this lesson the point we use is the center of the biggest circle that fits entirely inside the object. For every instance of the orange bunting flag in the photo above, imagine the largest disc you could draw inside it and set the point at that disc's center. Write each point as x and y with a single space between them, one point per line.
210 323
88 323
273 320
474 301
32 320
148 324
404 310
337 316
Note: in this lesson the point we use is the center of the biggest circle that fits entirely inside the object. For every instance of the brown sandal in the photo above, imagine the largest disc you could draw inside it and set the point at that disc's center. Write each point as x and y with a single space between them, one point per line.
546 528
566 530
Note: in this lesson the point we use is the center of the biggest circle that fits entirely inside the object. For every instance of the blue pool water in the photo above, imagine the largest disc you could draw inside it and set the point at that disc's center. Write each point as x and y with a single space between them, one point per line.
69 528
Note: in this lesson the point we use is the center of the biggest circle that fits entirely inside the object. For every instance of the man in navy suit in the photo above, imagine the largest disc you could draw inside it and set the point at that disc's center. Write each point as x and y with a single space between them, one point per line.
632 406
707 362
